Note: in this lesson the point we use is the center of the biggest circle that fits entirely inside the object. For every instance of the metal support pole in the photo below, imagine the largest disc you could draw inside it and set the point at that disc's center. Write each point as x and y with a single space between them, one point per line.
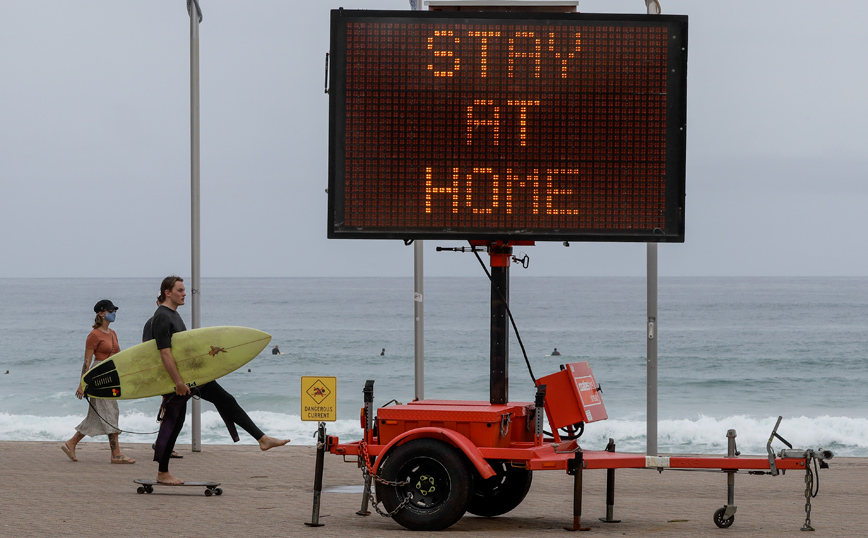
610 490
317 479
194 200
651 371
419 316
577 465
500 260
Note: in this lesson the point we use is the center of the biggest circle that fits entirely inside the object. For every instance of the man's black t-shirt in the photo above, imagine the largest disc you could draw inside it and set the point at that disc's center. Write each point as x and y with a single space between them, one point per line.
166 322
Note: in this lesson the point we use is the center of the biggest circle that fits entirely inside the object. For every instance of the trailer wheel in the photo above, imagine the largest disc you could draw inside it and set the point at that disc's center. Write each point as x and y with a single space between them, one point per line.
720 521
501 493
438 479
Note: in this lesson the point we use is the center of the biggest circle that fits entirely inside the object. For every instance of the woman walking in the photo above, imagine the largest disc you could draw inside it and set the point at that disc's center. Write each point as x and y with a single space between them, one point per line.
102 415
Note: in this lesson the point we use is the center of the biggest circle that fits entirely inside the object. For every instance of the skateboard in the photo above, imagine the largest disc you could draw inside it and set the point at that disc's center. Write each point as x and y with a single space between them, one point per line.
147 486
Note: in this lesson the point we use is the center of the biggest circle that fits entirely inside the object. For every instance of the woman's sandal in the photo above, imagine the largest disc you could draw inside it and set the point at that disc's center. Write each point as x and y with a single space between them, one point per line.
122 459
70 453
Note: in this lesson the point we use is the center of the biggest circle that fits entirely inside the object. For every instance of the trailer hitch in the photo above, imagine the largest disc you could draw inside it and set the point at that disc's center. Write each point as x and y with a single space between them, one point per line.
817 457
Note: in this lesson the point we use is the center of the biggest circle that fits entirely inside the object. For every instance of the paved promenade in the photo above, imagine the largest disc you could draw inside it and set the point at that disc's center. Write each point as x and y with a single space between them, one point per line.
44 494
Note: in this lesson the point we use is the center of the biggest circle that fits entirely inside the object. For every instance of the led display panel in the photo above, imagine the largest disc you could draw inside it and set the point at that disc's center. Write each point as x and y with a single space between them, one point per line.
507 126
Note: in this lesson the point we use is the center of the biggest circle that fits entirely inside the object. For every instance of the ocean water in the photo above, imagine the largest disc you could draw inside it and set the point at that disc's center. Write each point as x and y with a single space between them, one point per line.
733 353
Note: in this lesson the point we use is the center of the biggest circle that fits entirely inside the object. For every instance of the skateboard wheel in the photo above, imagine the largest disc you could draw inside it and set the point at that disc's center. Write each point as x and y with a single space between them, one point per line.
140 489
218 491
149 489
208 493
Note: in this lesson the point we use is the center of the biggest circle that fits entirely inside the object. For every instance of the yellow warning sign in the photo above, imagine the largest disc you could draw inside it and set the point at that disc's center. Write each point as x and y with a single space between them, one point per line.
319 398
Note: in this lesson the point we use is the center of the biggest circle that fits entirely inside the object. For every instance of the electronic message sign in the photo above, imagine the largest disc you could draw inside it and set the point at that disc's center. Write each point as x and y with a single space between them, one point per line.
507 126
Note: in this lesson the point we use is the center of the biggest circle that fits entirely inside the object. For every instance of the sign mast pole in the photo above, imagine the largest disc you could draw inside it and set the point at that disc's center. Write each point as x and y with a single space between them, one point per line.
653 8
419 302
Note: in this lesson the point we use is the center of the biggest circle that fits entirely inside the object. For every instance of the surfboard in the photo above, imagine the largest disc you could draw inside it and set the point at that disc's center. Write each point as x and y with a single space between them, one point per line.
202 355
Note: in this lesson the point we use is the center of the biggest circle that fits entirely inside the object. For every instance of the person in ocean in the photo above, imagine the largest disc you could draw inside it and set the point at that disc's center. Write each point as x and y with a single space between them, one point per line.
165 322
276 351
556 353
102 414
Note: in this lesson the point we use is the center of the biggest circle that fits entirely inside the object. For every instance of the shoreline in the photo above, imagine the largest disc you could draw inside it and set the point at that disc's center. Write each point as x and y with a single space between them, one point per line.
46 494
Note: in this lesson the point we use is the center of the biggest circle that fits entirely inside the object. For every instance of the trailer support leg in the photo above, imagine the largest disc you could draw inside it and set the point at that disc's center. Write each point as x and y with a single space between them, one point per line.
368 393
317 479
366 495
731 452
610 490
723 517
576 465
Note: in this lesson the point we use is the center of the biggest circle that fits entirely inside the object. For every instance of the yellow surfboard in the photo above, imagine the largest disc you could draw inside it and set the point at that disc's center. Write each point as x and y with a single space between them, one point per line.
202 355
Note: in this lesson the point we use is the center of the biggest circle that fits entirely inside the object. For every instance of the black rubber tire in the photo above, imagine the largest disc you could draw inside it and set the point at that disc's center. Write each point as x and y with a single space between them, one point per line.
149 489
720 522
140 490
439 483
501 493
208 493
218 491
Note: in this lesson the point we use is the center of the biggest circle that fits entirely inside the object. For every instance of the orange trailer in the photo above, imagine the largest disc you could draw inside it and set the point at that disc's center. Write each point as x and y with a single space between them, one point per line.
431 461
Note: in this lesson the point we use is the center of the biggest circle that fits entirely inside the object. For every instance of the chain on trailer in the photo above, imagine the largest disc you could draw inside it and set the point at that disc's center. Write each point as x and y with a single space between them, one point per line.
809 483
810 491
369 475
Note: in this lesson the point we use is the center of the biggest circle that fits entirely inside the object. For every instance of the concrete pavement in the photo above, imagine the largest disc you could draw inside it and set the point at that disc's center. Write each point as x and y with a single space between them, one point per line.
44 494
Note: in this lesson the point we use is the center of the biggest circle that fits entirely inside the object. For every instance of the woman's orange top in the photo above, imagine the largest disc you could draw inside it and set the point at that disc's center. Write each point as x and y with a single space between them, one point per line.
103 345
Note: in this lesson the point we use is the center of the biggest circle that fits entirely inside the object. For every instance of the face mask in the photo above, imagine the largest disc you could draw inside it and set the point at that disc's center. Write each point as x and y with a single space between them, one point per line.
110 316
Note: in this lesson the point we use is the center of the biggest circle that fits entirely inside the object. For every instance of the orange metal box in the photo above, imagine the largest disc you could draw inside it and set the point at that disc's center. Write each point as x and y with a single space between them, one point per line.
486 425
572 396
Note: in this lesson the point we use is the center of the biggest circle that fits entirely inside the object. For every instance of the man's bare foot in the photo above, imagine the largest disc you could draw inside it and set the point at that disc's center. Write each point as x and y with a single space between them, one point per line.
168 479
266 442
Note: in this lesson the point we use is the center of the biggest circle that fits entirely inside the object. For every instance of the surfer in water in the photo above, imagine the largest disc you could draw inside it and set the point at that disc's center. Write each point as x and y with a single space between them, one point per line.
165 322
102 415
276 351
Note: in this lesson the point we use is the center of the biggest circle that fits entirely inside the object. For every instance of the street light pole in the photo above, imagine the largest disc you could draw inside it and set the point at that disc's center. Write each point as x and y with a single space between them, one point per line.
195 19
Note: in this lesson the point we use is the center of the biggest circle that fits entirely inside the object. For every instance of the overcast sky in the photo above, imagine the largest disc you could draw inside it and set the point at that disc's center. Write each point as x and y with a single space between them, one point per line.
95 166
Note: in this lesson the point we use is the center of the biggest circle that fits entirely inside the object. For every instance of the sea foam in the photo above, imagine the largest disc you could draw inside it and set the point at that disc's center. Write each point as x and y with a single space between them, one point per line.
845 436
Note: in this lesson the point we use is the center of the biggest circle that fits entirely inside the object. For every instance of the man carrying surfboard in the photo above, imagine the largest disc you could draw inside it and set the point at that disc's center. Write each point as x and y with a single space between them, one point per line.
166 322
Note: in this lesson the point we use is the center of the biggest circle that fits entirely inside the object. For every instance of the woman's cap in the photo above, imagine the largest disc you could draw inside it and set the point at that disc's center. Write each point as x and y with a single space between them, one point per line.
104 306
